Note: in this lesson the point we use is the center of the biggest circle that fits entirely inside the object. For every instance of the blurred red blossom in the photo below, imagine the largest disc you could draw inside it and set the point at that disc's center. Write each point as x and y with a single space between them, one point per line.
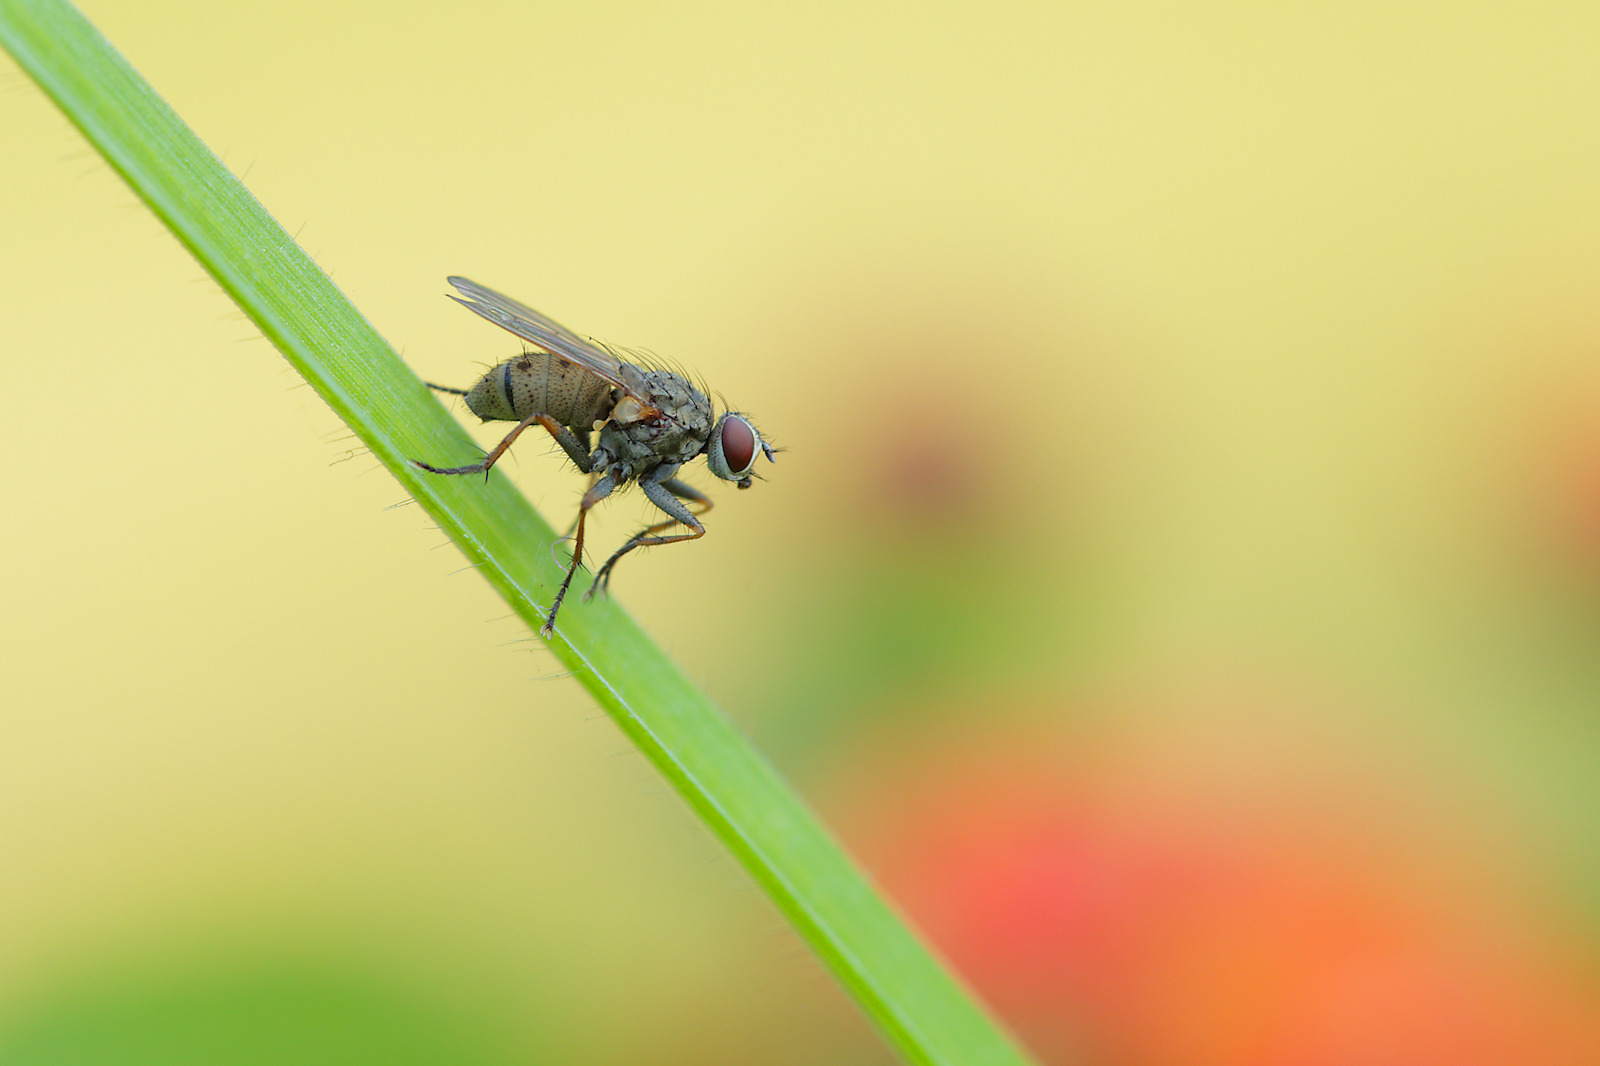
1111 918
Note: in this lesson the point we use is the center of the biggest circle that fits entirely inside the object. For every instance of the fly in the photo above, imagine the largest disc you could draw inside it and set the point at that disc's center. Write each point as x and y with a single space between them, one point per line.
651 421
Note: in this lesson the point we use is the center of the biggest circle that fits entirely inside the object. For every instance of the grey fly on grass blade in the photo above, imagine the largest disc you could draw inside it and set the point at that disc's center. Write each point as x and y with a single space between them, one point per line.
654 421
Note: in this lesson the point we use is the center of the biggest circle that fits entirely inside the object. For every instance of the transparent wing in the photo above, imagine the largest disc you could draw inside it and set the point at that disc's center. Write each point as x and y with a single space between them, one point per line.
548 334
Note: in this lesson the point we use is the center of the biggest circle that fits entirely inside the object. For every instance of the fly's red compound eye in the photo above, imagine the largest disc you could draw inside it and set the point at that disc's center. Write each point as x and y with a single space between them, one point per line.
738 444
732 449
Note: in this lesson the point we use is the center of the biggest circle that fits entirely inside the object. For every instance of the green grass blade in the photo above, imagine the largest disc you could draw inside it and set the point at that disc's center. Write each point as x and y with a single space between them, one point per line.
918 1005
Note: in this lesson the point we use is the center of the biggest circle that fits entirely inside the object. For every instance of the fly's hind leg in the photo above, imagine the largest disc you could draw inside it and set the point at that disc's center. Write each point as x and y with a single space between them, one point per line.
565 437
668 494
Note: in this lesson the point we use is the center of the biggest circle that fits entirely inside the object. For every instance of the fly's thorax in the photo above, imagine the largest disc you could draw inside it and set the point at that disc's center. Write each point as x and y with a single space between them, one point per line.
681 402
676 435
541 383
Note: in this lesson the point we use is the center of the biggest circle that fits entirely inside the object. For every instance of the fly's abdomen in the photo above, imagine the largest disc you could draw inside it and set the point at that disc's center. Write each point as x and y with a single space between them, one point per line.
540 383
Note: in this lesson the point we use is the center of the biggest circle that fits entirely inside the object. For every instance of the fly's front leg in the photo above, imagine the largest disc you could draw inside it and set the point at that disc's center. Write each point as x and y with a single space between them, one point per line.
602 488
696 498
665 494
688 492
564 437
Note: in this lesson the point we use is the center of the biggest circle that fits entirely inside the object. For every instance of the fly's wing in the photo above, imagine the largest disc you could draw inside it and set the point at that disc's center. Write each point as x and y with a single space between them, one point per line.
552 336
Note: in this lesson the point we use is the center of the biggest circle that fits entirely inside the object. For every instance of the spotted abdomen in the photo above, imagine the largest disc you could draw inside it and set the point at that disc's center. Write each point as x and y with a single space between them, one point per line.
540 383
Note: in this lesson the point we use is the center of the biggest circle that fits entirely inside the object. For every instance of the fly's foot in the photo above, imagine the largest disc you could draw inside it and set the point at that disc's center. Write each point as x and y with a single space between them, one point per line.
602 584
475 468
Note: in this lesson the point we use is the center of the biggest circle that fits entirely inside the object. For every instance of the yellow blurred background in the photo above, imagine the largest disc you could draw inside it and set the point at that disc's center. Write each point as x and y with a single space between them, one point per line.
1182 586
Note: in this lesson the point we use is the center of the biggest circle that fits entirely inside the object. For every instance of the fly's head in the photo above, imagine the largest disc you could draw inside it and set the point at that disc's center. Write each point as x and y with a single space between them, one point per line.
731 452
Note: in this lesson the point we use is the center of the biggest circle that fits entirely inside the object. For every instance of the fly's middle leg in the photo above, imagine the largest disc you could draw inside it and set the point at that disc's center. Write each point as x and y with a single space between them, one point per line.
602 488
